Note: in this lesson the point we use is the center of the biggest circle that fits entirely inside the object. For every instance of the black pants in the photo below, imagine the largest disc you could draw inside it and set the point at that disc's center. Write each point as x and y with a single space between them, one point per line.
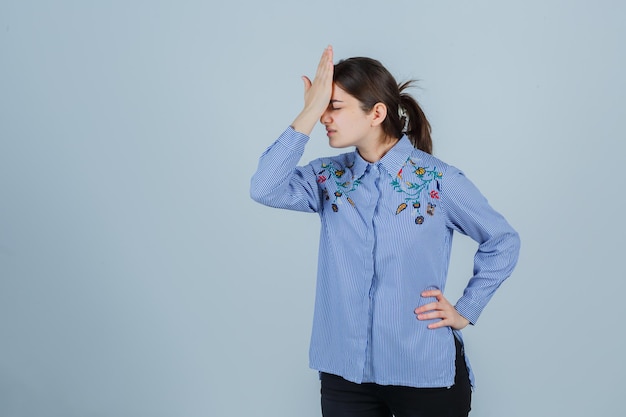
341 398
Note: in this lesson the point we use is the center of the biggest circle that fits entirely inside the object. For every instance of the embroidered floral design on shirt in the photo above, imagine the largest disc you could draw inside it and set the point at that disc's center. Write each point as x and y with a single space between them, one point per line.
425 178
344 188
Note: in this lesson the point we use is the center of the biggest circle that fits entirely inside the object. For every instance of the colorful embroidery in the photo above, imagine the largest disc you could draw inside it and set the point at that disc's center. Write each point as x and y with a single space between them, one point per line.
413 189
424 179
344 188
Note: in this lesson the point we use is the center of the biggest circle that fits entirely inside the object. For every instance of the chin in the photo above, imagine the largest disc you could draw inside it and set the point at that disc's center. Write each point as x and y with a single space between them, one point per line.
338 145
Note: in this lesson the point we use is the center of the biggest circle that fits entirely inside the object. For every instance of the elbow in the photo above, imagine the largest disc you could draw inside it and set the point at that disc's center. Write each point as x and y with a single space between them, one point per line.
503 248
262 194
257 194
512 249
516 243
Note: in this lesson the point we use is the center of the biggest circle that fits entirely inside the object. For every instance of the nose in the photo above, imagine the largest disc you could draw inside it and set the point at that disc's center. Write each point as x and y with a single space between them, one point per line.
325 119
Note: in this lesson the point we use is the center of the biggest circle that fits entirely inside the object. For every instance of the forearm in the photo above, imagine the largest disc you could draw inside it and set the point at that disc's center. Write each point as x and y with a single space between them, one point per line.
498 243
306 121
493 264
279 182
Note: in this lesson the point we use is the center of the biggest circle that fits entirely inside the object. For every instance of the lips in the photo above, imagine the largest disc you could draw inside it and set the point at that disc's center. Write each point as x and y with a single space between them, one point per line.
330 132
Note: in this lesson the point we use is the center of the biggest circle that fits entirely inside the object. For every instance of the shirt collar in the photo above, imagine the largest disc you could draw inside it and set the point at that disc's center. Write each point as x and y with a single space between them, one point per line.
393 160
359 165
396 157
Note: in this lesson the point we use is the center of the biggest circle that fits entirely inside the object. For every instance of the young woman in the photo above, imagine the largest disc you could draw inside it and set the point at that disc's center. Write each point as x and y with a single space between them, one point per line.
385 339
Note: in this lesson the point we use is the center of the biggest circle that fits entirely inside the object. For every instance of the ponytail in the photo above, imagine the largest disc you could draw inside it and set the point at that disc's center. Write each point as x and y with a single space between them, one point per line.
416 126
369 82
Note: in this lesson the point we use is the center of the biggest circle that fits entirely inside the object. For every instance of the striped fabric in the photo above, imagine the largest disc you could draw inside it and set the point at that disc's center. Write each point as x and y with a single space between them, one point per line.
386 234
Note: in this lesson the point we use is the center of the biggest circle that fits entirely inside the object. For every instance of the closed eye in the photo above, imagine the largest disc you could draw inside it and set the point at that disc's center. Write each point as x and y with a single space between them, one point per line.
332 104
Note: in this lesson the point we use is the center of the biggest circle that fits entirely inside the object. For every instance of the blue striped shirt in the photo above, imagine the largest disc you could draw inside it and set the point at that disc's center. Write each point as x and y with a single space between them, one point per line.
386 234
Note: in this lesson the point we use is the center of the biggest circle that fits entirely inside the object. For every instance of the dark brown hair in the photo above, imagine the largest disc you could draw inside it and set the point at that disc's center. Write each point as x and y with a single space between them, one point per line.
368 81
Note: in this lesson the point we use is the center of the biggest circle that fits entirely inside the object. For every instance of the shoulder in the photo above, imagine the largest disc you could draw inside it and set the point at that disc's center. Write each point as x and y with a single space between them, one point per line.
344 160
425 162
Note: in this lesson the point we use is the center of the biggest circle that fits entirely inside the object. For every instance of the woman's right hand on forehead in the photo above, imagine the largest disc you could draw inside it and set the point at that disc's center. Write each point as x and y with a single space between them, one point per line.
316 94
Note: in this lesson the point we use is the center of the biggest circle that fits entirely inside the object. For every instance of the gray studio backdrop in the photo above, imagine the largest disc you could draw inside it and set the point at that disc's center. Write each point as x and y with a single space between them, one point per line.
137 278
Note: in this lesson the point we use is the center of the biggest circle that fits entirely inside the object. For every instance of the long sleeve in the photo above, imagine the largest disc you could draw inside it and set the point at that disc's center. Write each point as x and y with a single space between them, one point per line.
386 234
469 213
279 182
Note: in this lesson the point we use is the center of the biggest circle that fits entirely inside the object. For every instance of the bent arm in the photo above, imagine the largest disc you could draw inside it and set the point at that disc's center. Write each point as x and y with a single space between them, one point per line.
498 243
279 182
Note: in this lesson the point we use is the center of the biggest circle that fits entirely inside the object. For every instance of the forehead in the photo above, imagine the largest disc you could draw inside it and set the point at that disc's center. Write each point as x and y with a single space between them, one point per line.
340 94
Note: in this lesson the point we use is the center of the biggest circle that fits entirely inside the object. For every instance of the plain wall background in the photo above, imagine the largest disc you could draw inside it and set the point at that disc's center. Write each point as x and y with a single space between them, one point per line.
137 278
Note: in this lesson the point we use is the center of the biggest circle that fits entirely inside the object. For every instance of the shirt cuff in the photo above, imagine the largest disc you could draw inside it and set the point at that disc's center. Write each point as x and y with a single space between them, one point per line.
468 309
292 139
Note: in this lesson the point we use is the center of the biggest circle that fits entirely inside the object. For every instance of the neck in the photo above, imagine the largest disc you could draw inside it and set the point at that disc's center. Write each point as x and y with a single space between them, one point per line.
378 149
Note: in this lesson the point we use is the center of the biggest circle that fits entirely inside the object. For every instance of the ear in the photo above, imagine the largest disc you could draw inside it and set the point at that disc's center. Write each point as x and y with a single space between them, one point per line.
378 114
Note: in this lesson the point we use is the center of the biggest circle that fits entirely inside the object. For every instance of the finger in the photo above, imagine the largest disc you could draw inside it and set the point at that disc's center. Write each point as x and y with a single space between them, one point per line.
330 58
431 293
427 307
439 311
440 323
307 83
324 60
432 315
325 68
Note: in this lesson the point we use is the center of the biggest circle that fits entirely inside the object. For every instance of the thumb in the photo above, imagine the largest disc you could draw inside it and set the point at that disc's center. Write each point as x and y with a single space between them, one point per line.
307 83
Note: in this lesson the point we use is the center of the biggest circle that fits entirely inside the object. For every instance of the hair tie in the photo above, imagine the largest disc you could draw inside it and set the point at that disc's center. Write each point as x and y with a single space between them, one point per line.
403 118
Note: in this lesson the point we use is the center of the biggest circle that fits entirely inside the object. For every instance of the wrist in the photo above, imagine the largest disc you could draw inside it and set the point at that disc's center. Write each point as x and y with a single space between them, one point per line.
305 122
